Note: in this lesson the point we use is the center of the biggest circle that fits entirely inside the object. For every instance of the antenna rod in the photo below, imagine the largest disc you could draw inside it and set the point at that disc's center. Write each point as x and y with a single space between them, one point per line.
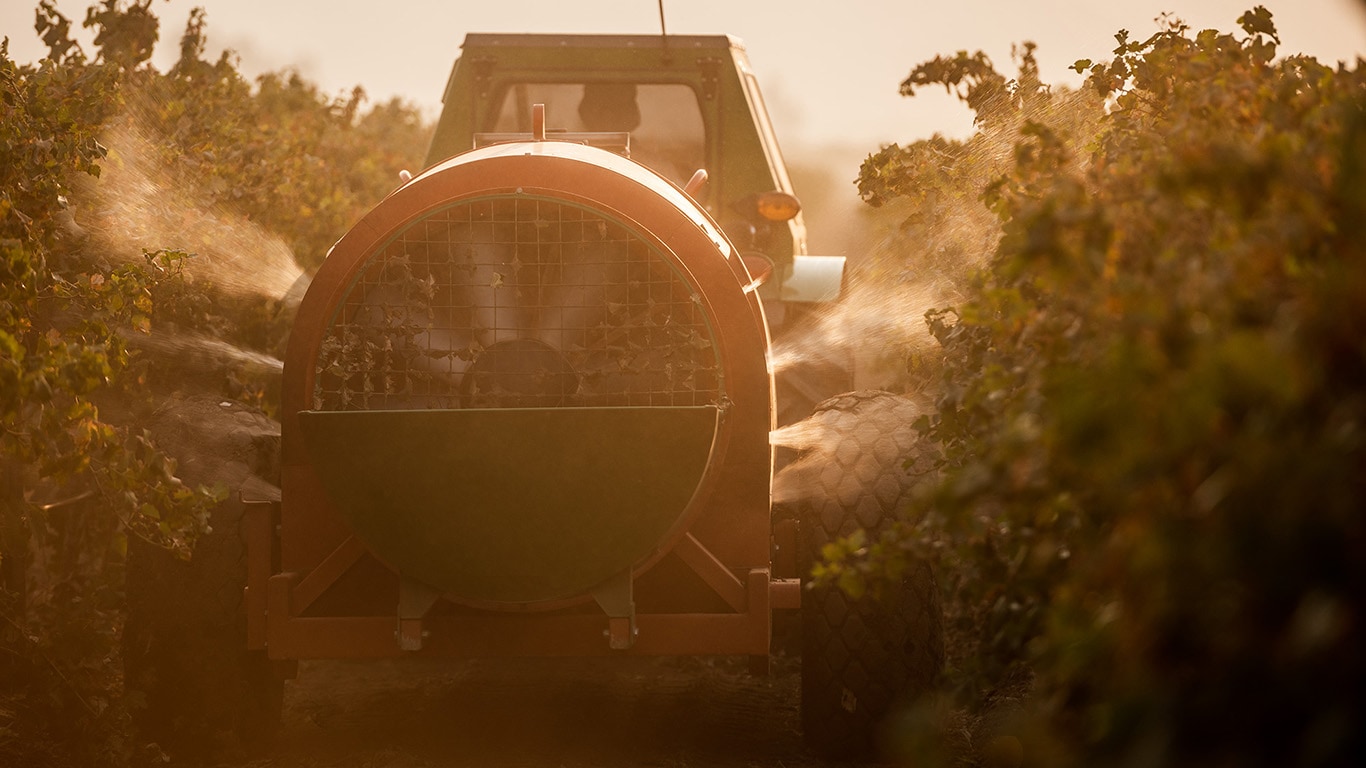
664 33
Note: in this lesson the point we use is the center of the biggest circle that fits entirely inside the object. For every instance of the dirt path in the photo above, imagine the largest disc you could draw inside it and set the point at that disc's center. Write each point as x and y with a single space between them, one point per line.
675 712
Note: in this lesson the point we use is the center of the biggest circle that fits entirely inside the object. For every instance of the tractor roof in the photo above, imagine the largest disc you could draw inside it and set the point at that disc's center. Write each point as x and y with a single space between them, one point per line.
675 42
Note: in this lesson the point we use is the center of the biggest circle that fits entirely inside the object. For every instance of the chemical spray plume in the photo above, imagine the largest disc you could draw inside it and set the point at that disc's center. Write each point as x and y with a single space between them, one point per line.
198 350
869 318
859 444
140 206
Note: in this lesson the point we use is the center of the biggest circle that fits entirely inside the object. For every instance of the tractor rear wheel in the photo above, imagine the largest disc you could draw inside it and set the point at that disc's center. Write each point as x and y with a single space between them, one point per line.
862 657
196 689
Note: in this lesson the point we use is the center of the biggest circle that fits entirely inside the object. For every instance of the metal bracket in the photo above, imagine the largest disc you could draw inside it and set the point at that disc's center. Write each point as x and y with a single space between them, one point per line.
415 599
616 600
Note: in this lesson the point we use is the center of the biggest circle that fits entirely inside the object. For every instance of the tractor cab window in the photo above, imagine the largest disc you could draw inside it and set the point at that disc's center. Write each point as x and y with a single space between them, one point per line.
664 119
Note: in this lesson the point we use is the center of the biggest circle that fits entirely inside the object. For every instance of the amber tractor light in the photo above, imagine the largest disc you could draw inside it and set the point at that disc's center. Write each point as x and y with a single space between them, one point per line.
778 206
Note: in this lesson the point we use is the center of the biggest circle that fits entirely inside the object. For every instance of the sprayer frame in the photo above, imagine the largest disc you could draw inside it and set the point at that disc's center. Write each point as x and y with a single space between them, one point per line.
300 550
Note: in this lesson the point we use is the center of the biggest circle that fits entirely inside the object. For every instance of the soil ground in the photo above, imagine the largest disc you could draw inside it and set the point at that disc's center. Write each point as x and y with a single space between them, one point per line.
416 713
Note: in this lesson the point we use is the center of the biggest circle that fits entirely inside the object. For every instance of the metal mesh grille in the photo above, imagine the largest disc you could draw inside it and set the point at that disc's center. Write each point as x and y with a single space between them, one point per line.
517 301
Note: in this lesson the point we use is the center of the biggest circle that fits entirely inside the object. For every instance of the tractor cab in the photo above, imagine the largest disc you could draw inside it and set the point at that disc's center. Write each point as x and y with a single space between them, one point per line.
675 104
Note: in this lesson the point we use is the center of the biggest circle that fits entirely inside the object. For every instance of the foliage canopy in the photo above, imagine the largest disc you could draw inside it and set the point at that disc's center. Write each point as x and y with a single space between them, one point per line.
82 316
1151 402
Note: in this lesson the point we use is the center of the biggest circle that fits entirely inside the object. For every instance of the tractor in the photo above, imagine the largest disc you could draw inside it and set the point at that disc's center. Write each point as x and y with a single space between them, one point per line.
526 411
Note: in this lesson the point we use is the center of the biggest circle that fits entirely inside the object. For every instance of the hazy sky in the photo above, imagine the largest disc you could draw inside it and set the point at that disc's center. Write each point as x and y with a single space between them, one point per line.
829 70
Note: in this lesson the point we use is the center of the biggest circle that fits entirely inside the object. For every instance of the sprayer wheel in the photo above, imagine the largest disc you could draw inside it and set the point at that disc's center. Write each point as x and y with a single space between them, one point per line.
862 658
195 689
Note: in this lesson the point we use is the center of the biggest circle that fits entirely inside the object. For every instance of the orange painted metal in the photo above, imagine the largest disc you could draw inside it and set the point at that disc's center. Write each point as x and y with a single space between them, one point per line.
786 594
723 537
494 634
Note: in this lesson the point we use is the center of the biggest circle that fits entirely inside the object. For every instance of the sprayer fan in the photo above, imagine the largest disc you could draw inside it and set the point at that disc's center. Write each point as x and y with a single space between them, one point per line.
517 301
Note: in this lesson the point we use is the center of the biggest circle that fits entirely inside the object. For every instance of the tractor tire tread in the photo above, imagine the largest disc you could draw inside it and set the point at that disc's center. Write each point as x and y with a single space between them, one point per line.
864 657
